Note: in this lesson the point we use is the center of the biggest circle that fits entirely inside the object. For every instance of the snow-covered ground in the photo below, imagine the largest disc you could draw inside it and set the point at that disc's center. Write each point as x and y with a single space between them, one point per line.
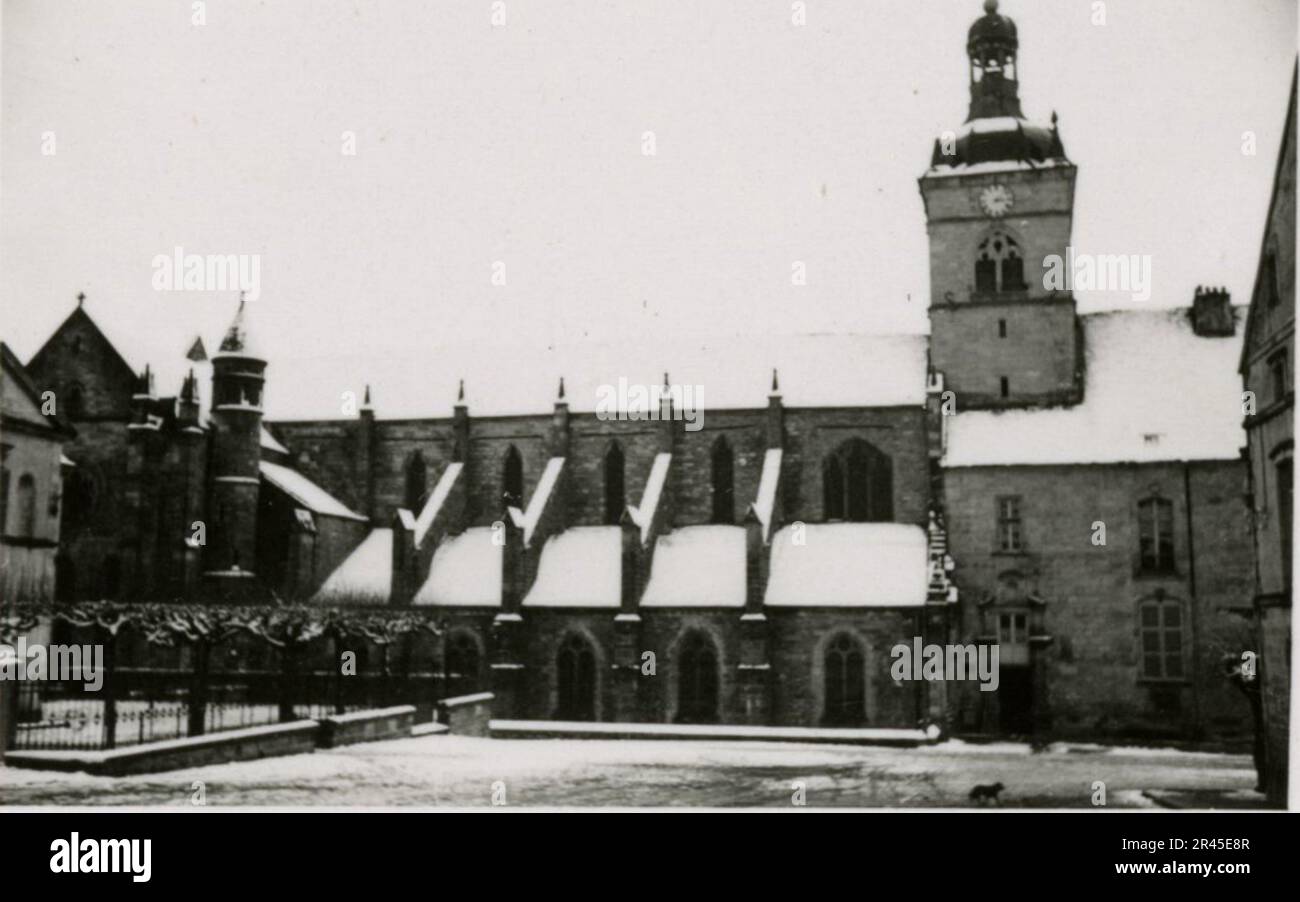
461 771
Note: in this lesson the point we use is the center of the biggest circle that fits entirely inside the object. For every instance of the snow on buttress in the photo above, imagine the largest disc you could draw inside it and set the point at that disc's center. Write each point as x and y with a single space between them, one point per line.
767 488
269 442
436 500
1154 390
465 572
581 567
305 492
698 567
870 565
365 573
643 515
541 494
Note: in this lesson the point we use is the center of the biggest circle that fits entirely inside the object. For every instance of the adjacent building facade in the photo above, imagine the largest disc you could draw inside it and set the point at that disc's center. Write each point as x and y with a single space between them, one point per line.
31 485
1268 374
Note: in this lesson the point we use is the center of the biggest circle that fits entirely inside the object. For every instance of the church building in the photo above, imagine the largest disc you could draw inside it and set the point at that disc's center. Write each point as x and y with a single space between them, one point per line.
1068 487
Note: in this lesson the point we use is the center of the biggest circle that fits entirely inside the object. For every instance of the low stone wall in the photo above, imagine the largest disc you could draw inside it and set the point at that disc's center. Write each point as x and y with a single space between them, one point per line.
273 740
366 726
467 715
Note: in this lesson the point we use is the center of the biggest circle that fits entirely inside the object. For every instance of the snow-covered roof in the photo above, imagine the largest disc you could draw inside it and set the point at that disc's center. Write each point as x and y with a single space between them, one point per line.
698 567
994 166
239 340
465 572
436 501
869 565
365 573
821 370
581 567
1154 390
305 492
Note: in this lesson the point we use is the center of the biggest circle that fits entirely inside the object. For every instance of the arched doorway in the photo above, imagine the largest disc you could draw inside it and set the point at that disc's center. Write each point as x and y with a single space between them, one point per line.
845 682
697 680
575 680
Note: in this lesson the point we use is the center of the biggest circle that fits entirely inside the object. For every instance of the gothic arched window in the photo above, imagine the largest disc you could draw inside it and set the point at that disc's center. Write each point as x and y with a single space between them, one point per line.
724 482
697 680
615 493
575 680
845 682
512 477
858 484
999 264
416 483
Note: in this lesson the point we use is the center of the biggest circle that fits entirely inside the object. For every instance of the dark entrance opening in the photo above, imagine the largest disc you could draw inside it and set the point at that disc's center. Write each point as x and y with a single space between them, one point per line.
1015 701
697 686
575 669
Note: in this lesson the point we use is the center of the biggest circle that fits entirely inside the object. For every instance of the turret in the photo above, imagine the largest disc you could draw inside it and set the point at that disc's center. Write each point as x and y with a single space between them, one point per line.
237 380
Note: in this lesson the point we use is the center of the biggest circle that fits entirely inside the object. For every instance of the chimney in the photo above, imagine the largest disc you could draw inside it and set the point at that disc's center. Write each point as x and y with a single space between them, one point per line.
1212 312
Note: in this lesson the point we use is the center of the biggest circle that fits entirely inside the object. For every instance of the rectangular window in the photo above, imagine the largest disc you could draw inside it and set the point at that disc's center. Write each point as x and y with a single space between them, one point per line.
1277 376
1010 537
1002 328
1161 629
1006 387
1013 629
1156 535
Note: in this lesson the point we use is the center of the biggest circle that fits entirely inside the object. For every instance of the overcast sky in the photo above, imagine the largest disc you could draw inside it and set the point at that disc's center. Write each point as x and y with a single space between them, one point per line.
522 143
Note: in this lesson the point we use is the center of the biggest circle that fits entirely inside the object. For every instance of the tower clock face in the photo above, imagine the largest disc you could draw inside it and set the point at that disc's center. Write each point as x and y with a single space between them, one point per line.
997 200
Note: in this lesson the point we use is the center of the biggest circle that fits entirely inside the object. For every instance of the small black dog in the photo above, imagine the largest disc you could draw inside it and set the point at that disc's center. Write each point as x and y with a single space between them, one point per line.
987 791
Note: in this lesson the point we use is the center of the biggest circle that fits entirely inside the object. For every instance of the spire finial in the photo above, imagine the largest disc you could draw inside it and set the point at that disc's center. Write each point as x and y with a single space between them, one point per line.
460 392
776 385
665 378
561 397
366 402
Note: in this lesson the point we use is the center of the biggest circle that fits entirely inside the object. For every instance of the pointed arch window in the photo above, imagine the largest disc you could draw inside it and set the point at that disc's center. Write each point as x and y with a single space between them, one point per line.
512 477
575 680
845 682
615 484
697 680
416 483
858 483
724 482
462 664
999 264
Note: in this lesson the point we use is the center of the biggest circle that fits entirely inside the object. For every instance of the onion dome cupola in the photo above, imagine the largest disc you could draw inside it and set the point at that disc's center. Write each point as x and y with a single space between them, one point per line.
996 129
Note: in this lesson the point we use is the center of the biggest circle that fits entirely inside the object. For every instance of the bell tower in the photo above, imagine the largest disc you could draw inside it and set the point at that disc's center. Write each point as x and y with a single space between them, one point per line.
999 202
